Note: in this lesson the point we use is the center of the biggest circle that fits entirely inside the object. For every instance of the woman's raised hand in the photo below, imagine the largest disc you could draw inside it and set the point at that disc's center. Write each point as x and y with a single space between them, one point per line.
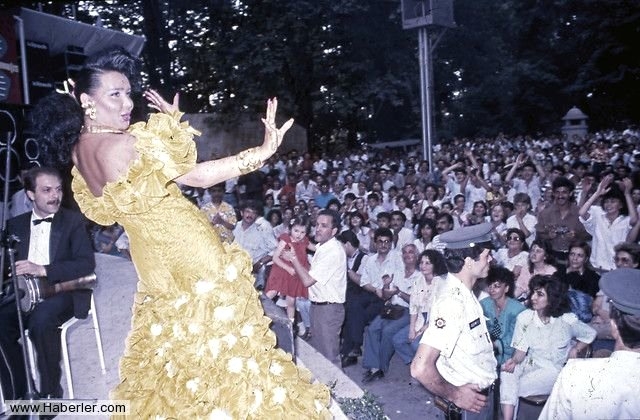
158 102
273 135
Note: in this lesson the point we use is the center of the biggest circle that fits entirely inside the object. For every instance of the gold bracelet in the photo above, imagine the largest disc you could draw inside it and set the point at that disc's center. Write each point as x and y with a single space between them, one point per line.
248 160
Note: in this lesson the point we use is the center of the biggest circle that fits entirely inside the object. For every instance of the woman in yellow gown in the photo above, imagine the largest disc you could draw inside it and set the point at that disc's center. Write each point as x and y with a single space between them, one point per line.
199 345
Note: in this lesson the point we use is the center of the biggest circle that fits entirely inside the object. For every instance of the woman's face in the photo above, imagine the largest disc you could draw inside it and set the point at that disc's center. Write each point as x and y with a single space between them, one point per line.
498 290
537 254
479 209
356 221
430 193
426 232
268 200
430 213
426 267
497 214
359 203
539 301
623 259
514 241
275 219
577 258
112 100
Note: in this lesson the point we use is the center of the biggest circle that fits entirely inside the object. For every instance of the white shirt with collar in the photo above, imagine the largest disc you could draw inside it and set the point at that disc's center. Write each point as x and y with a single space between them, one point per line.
372 270
39 240
329 270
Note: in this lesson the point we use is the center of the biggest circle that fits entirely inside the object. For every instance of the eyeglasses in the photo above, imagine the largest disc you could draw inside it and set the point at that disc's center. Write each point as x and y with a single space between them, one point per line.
514 238
383 241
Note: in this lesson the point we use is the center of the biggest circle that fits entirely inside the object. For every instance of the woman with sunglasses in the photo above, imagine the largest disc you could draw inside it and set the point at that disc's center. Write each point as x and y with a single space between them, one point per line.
514 255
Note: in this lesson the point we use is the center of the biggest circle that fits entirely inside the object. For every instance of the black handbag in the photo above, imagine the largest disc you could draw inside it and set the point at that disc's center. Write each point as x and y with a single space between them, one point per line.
392 311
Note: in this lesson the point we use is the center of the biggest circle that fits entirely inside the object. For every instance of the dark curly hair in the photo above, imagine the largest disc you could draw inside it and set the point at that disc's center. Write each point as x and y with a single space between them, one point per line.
58 118
437 259
557 294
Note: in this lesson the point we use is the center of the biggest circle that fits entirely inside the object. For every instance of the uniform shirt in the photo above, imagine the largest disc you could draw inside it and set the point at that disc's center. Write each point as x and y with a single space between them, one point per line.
372 270
605 236
422 297
257 239
458 330
39 241
329 270
605 388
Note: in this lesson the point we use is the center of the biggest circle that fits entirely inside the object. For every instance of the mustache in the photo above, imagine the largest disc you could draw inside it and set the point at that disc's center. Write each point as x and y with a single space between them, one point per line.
53 202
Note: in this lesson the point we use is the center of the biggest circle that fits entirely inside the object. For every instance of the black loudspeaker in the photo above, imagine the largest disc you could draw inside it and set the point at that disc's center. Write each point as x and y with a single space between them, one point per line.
10 88
17 141
421 13
281 326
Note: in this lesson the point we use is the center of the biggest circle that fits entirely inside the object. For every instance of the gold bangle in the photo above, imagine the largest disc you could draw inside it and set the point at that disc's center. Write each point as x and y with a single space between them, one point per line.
248 160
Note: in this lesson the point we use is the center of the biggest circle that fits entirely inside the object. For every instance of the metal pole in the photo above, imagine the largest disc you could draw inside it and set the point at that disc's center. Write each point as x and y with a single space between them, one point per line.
426 92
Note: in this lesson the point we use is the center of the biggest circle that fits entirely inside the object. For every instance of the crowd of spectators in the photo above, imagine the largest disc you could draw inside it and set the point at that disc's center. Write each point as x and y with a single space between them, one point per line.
565 208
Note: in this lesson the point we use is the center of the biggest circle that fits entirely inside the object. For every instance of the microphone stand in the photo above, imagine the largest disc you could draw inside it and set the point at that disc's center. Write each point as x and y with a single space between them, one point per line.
31 395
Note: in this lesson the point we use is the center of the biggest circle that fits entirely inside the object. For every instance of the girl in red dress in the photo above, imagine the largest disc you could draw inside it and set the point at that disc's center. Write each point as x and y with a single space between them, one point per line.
283 279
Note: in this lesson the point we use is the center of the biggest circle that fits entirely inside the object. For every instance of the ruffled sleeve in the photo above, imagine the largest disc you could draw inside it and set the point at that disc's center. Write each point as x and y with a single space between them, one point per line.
166 150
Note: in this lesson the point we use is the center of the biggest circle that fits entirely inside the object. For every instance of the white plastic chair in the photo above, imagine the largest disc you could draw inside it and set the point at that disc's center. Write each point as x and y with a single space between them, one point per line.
65 349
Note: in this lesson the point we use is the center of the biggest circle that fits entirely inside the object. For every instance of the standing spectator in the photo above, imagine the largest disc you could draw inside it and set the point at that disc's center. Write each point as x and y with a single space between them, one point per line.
521 217
455 358
527 183
327 283
610 223
559 222
592 388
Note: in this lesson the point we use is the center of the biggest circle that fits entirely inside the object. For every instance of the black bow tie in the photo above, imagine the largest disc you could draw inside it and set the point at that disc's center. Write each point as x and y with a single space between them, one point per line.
36 222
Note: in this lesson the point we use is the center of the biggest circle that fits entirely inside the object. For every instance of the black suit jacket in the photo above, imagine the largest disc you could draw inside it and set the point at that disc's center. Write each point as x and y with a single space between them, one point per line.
70 251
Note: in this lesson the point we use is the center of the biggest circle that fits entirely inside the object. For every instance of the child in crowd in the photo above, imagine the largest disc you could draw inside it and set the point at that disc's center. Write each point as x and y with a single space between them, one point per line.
283 279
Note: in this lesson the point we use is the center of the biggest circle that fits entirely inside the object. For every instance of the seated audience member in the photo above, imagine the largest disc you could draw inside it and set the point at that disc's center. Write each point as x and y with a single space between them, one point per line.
433 269
541 262
257 239
356 225
426 232
578 273
383 220
514 256
610 223
378 340
545 336
221 214
401 234
627 255
605 388
501 310
444 223
376 271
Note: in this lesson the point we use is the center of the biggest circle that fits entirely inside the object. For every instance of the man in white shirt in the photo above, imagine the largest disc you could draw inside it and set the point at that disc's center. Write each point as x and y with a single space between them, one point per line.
326 279
257 239
605 388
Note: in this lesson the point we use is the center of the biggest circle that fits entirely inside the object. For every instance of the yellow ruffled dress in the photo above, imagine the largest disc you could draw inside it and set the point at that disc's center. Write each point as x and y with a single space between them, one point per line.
199 345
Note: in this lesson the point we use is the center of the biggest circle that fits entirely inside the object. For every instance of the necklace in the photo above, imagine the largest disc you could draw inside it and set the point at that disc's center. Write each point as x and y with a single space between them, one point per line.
99 129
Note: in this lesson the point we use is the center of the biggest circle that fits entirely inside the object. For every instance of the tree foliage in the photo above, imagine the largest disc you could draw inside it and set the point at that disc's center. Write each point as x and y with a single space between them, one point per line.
347 71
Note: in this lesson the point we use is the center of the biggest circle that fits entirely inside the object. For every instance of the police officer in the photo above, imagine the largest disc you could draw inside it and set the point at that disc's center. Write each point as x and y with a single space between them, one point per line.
455 358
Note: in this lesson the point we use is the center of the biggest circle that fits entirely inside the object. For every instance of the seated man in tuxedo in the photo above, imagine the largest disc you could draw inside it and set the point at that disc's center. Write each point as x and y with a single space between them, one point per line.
54 244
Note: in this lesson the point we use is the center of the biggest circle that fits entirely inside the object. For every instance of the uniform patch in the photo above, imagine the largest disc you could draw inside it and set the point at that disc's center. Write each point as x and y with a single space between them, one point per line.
474 323
440 323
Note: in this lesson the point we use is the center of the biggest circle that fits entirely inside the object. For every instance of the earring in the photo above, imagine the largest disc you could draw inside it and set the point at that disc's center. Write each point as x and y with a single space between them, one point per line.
89 110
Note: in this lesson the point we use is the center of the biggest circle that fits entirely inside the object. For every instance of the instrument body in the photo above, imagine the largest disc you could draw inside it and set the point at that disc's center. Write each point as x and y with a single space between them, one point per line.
33 289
